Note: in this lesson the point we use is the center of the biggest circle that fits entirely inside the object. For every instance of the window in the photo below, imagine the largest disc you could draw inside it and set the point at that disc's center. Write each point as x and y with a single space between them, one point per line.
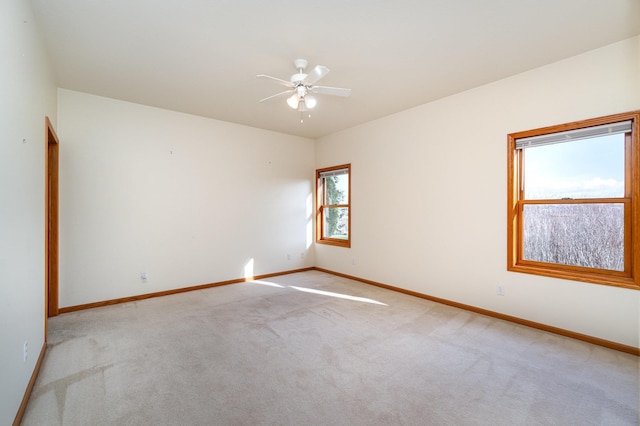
333 218
573 201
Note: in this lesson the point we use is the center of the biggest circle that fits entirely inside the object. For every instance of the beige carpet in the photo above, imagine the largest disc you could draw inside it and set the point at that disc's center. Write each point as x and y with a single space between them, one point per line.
314 349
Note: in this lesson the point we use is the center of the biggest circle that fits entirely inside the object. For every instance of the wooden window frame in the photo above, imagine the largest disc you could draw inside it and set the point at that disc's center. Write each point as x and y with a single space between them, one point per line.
321 205
630 277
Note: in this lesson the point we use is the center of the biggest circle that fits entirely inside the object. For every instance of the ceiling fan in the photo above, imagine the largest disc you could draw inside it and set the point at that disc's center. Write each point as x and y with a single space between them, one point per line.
301 86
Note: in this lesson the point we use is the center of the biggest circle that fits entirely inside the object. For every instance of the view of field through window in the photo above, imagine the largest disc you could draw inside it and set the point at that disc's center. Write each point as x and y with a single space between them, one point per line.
588 233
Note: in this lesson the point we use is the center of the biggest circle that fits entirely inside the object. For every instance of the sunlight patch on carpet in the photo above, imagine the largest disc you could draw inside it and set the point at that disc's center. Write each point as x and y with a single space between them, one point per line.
338 295
262 282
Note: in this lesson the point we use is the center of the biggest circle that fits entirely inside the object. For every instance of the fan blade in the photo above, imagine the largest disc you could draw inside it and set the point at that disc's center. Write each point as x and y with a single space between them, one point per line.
279 80
316 74
286 92
335 91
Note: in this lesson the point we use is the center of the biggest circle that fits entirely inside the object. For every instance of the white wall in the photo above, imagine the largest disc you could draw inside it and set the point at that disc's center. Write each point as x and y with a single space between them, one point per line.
187 200
28 94
429 193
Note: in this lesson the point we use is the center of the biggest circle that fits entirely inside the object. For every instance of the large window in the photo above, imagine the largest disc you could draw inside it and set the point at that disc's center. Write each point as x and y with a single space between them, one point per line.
573 201
333 206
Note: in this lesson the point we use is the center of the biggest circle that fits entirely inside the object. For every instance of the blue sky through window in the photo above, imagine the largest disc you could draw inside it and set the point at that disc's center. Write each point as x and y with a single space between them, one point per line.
587 168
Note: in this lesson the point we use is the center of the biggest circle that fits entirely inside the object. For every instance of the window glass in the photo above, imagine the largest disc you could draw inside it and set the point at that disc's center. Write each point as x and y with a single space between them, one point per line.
589 235
336 223
337 188
588 168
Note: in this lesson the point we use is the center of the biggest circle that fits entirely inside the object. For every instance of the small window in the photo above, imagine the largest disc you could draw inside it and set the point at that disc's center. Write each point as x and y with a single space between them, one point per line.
572 201
333 213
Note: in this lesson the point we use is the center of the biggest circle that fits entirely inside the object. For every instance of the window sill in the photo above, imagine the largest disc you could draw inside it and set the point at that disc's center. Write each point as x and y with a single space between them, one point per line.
335 242
610 280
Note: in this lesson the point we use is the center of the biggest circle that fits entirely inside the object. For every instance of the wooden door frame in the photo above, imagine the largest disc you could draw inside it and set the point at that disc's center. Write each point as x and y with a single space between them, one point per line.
51 222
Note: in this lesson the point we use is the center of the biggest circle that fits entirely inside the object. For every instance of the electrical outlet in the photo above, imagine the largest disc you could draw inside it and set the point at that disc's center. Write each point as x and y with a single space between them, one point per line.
25 351
288 256
500 290
143 276
354 261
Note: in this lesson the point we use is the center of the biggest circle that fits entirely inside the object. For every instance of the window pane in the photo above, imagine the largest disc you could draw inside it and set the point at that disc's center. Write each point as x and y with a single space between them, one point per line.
590 235
336 222
588 168
337 189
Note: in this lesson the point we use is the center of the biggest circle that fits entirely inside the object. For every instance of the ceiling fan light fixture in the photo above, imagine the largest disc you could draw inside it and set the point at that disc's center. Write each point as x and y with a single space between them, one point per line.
301 91
310 101
293 101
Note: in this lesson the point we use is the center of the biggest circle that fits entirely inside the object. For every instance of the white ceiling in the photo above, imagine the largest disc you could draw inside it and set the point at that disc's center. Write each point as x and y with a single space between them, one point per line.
201 56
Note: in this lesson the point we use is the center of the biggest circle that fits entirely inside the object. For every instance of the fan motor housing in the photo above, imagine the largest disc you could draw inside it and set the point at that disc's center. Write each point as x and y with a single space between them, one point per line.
298 77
